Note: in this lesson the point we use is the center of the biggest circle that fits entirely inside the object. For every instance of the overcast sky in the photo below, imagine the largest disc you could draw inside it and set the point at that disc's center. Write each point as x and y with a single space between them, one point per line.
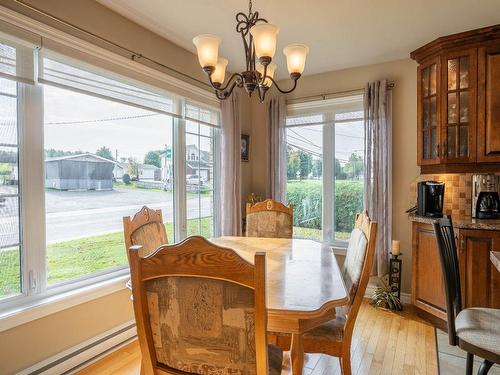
130 137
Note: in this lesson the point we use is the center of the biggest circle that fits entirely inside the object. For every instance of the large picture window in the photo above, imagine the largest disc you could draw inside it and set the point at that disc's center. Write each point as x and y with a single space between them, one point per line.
80 148
325 167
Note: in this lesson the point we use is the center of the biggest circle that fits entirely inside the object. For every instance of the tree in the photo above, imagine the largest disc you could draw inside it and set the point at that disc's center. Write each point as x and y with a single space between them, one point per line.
153 158
339 171
305 164
317 168
105 153
292 163
53 153
133 167
354 166
126 178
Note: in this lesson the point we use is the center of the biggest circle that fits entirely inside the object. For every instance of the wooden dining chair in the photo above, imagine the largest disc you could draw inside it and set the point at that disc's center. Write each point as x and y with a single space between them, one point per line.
201 309
146 228
334 337
270 219
475 330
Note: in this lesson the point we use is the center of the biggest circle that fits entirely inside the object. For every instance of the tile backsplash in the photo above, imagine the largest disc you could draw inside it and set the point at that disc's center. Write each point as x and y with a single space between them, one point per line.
457 192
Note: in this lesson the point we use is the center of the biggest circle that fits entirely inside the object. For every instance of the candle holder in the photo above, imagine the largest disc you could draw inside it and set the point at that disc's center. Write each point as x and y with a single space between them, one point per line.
395 270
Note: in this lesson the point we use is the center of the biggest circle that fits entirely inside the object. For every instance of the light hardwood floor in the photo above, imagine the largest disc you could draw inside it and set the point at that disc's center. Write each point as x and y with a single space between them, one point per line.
383 343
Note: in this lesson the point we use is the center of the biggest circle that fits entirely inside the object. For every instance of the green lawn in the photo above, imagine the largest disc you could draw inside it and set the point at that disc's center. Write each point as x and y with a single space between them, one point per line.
71 259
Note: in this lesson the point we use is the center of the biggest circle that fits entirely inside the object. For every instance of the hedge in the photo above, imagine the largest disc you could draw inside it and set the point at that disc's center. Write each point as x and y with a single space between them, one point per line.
306 197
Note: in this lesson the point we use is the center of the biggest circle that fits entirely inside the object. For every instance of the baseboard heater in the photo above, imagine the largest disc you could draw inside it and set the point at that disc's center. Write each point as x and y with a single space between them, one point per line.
86 353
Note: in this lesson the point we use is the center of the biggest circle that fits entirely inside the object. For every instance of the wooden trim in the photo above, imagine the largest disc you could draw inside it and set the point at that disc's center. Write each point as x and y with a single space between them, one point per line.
467 39
460 168
483 154
269 205
260 314
209 260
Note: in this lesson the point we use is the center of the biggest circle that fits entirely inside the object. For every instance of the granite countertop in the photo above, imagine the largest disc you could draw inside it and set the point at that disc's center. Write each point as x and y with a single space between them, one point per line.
461 222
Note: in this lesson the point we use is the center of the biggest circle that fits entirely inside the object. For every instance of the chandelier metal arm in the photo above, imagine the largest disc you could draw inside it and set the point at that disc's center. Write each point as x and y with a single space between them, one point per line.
294 78
237 77
223 92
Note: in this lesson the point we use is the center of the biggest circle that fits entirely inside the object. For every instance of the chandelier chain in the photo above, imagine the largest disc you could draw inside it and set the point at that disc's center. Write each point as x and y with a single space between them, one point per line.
249 7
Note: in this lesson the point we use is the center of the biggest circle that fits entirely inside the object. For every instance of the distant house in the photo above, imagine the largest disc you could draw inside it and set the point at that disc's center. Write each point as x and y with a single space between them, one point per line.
148 172
119 170
199 162
79 172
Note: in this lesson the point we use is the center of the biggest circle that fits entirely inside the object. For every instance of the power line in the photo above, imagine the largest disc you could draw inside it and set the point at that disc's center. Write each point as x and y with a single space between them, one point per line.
305 139
102 120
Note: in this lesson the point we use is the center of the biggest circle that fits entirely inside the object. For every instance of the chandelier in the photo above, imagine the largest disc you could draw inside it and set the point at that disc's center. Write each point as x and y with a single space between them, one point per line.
259 41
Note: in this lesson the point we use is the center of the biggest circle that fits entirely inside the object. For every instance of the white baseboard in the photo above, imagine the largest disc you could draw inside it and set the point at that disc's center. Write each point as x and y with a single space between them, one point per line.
370 289
85 353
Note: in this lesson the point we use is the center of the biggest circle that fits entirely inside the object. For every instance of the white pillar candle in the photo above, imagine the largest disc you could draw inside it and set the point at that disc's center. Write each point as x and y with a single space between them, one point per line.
396 247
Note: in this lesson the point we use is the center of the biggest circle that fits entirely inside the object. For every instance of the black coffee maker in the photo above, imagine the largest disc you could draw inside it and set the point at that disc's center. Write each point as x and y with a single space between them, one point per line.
486 196
430 198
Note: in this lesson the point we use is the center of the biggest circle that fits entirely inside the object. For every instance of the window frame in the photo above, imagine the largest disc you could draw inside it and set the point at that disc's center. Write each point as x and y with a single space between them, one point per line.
35 291
327 108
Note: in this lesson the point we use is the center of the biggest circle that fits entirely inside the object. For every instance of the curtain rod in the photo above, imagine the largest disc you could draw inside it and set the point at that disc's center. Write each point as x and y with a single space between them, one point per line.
311 98
133 54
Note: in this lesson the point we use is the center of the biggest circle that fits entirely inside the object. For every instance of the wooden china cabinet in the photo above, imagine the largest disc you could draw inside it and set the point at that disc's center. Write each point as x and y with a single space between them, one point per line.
458 108
458 92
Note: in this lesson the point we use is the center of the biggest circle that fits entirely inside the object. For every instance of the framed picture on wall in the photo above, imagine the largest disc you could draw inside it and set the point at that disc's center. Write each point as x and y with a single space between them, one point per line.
245 147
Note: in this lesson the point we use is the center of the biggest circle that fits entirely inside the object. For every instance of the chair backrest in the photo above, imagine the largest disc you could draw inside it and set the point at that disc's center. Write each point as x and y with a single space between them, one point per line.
451 273
146 228
270 219
358 265
200 309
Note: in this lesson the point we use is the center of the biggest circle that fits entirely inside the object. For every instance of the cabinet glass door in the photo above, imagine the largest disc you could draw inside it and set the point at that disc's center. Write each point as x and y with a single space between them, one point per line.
429 115
458 107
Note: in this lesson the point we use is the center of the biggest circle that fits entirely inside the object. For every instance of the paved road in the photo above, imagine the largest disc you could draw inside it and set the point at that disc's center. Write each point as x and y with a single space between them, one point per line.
72 215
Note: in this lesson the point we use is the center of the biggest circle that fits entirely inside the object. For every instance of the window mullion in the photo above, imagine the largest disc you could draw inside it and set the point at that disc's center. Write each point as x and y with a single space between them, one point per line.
216 188
30 112
179 156
328 181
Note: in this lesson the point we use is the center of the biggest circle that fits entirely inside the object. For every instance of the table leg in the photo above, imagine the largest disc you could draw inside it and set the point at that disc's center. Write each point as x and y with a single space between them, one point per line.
297 354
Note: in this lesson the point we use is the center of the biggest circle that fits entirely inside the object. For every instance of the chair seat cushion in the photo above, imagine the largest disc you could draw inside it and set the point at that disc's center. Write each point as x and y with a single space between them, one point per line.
275 358
479 329
332 330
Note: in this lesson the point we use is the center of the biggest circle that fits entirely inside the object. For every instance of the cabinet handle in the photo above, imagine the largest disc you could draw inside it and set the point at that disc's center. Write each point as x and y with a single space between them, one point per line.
462 244
437 151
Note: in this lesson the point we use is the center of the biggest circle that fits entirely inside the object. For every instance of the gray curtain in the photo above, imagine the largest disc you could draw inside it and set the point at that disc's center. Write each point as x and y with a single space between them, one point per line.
230 167
275 118
378 167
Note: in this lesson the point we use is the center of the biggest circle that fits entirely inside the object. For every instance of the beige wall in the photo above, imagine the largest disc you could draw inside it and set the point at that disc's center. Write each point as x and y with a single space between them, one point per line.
35 341
405 169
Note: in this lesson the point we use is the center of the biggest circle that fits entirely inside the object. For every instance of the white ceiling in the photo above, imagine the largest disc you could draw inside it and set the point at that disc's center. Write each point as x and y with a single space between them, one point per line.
340 33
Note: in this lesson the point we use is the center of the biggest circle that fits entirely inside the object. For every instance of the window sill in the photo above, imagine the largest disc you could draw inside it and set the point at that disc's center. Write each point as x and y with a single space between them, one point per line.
32 310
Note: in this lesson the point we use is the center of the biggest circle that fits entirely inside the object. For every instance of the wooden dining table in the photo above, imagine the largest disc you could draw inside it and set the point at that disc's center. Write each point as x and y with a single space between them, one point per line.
303 285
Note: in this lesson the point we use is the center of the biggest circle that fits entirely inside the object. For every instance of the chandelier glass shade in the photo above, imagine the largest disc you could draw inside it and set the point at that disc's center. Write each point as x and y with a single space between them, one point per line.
259 41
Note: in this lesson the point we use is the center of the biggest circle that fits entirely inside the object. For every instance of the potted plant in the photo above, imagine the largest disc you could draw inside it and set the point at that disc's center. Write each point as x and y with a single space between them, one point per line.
386 298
